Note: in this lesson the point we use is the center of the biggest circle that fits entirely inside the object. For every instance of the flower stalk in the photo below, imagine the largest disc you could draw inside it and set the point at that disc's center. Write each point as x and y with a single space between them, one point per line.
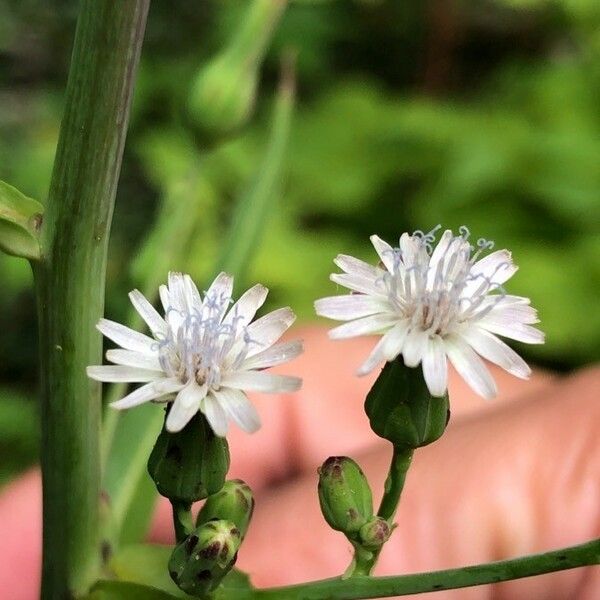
357 588
70 285
364 562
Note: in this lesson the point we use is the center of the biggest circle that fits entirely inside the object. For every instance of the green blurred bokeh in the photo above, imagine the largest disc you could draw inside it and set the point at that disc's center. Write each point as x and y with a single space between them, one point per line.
410 113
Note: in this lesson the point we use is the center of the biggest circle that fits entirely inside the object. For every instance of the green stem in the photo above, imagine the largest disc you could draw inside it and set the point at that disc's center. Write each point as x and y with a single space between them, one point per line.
394 484
183 522
356 588
70 285
256 29
364 561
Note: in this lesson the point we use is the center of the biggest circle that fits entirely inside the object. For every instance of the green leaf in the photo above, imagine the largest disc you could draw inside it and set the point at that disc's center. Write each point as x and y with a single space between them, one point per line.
146 564
121 590
130 436
20 222
253 208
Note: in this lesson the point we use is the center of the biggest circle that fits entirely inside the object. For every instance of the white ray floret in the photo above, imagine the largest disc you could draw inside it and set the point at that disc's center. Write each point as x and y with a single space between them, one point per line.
203 354
431 304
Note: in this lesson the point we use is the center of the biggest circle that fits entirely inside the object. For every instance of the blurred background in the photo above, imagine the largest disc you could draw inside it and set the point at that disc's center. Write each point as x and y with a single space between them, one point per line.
408 113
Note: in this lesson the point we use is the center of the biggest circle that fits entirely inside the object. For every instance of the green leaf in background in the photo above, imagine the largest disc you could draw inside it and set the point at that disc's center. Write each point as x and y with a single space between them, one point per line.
19 427
252 210
121 590
129 437
147 564
20 222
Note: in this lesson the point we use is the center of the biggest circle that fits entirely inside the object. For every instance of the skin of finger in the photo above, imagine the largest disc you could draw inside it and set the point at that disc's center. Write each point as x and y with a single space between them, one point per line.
326 417
20 541
516 480
286 445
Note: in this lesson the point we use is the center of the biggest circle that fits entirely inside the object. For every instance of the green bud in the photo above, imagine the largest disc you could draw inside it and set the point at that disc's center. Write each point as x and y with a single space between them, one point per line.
374 533
401 409
223 93
202 560
222 96
191 464
233 502
344 494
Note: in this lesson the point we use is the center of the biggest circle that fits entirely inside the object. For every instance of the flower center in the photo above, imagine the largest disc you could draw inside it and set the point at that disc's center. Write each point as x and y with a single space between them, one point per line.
437 296
199 344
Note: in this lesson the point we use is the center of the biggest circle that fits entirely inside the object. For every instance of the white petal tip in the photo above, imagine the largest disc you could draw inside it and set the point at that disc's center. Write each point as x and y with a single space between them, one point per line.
173 428
362 371
253 428
91 373
118 405
291 385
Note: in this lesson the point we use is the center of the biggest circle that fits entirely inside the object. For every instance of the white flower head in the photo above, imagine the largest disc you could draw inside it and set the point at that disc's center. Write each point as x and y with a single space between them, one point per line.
203 355
432 304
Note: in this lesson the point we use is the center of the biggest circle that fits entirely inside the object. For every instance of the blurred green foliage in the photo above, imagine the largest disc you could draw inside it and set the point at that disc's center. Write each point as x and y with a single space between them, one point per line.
410 114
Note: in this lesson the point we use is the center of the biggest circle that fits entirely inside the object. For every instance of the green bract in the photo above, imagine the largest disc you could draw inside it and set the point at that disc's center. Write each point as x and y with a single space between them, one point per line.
344 494
401 409
234 502
189 465
374 533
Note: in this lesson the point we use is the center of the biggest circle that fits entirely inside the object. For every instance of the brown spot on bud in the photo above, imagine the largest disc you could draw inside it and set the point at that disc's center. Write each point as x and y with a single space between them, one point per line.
241 497
353 514
36 222
211 551
203 575
190 543
224 550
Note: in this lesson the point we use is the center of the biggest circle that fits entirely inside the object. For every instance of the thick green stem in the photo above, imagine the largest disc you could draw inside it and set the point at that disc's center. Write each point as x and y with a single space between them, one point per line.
356 588
70 285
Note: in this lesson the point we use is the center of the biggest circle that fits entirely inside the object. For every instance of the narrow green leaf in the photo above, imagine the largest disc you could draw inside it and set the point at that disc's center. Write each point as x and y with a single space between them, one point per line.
20 223
253 207
129 437
122 590
146 564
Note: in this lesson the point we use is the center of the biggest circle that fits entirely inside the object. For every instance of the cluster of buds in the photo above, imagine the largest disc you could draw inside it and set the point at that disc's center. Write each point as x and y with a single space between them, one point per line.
188 466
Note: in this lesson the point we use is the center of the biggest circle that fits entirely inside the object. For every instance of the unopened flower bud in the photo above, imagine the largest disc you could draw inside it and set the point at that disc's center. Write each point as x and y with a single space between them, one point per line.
222 96
402 410
374 533
344 494
202 560
233 502
191 464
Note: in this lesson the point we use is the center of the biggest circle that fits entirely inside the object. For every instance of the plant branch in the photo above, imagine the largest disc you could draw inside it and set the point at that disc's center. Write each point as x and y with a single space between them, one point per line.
394 484
364 562
70 285
357 588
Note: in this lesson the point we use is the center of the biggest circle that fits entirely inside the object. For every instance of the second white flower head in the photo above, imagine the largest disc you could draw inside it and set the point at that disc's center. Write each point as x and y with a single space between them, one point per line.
431 304
203 355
